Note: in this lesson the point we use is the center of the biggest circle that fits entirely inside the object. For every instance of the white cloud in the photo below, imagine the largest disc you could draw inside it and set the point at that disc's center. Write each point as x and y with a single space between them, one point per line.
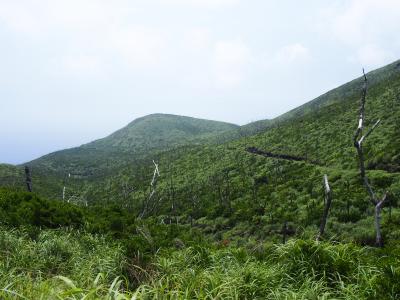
202 3
232 59
197 38
41 17
365 21
366 28
139 46
81 66
372 56
293 53
95 27
17 17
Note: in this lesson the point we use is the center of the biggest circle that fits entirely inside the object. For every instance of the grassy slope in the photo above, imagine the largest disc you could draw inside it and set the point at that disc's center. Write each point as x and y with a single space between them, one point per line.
103 158
143 135
323 129
145 259
10 175
213 181
225 180
72 265
160 131
240 200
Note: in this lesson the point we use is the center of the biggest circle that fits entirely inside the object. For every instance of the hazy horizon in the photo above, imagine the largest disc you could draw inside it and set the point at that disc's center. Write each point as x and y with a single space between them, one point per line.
75 71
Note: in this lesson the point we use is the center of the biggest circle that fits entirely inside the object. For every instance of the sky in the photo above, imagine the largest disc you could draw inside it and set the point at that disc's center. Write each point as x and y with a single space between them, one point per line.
76 70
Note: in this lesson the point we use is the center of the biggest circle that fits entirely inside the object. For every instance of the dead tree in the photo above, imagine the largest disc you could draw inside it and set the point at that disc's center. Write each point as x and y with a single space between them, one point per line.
28 179
284 232
358 140
149 203
327 202
126 189
64 188
172 196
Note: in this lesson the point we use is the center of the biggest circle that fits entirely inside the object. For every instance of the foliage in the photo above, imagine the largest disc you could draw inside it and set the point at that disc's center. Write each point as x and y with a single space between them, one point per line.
31 267
217 223
22 208
64 265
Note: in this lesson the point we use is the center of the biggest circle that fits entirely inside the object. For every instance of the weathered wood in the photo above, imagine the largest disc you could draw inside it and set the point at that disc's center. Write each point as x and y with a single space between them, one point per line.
254 150
65 186
328 201
28 179
358 140
378 208
284 232
150 204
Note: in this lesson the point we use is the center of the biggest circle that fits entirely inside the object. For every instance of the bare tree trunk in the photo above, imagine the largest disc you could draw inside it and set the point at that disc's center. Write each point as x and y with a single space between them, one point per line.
28 179
65 183
358 140
328 201
378 208
171 192
148 205
284 232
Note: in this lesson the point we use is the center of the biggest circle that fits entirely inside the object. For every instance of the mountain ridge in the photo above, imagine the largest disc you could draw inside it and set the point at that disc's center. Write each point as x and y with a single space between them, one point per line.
186 127
306 131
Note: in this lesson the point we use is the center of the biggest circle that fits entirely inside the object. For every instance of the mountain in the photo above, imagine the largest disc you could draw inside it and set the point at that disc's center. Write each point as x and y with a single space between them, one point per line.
347 91
322 129
340 94
256 191
156 132
160 131
238 207
226 178
104 157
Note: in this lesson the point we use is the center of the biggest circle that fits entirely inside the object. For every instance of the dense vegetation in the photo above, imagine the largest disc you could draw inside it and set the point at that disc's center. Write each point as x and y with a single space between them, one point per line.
215 227
137 139
147 259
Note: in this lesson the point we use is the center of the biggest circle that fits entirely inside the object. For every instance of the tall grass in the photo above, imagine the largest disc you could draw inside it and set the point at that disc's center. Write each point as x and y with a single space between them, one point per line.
62 264
29 266
297 270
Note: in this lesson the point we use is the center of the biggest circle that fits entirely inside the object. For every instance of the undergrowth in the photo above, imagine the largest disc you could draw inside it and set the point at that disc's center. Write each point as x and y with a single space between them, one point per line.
63 264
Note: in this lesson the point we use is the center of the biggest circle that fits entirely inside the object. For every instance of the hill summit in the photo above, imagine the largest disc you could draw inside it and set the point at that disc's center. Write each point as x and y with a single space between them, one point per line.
160 131
152 133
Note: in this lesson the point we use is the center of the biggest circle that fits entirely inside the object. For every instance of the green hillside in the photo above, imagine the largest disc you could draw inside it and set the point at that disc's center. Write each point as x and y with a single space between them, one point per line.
323 134
320 130
161 132
211 224
11 175
53 250
152 133
235 195
345 92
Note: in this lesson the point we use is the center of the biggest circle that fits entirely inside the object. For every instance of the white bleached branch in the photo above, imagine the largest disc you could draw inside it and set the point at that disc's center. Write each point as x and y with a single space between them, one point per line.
358 139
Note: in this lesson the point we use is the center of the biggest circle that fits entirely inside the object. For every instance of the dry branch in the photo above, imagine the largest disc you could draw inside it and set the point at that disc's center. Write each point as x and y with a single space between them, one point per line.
28 179
358 140
149 204
328 201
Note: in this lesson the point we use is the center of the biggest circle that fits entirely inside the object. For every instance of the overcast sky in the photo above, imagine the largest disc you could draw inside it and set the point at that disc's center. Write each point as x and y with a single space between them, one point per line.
76 70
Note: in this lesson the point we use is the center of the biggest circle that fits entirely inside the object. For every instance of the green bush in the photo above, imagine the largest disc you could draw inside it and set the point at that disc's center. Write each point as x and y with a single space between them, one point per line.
22 208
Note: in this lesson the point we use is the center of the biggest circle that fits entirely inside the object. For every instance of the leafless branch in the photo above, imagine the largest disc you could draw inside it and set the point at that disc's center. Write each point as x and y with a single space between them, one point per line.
328 201
369 132
358 140
149 204
28 179
378 208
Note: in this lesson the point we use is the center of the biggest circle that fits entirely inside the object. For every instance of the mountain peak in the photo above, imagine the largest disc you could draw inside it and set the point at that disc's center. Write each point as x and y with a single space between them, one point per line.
160 131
